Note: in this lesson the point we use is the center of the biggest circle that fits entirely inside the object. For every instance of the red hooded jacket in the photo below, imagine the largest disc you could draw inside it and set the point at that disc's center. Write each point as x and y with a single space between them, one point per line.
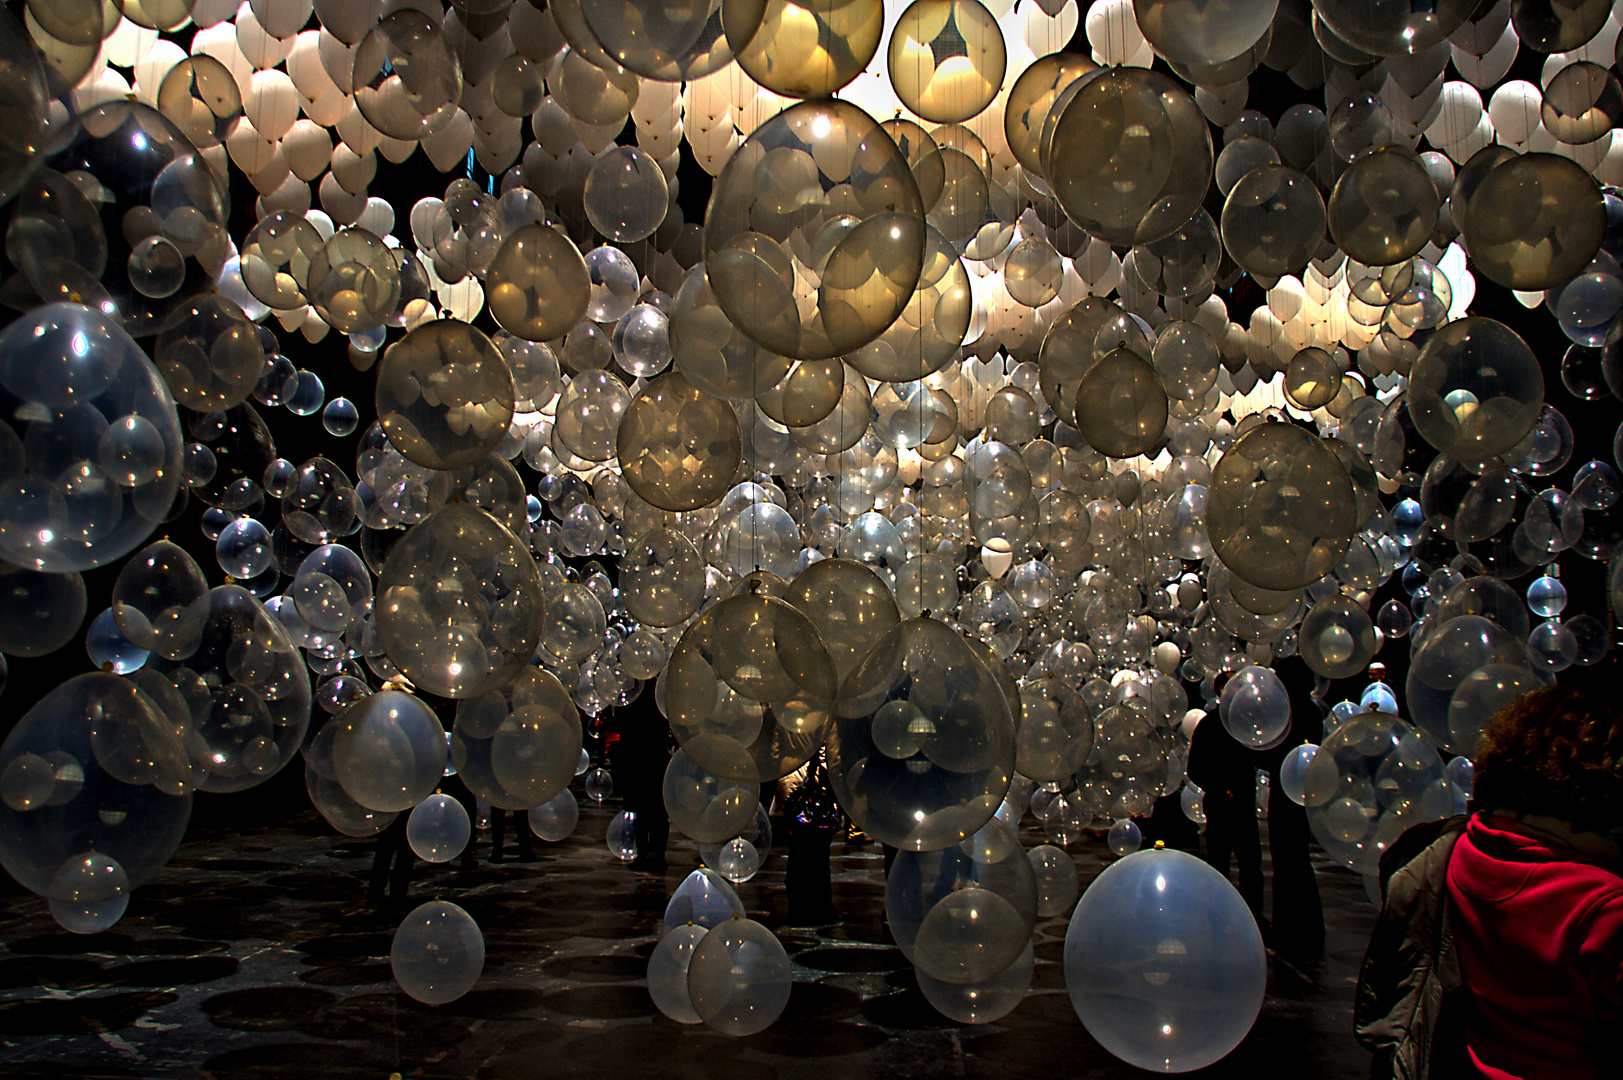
1539 931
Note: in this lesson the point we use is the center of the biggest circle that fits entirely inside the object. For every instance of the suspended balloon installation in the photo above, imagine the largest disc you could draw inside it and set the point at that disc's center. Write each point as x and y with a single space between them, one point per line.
1021 373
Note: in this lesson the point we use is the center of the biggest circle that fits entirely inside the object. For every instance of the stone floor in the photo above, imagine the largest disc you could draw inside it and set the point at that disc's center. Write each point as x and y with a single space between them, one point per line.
256 956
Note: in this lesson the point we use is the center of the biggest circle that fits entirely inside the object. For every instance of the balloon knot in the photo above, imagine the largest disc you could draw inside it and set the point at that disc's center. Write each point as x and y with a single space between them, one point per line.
1159 844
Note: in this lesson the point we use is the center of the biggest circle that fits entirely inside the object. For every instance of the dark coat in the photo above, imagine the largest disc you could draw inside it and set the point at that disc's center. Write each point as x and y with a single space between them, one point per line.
1410 1001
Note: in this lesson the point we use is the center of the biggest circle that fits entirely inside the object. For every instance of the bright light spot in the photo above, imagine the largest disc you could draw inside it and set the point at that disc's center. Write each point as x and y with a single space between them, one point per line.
1166 1029
1160 883
820 127
46 536
140 141
80 345
895 233
918 815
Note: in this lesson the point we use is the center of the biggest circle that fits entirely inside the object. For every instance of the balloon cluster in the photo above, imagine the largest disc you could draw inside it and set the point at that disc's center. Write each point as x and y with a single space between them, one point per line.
1020 374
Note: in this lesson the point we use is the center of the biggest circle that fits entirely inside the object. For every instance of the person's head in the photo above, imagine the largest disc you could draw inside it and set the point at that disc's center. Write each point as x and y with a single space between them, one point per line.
1555 751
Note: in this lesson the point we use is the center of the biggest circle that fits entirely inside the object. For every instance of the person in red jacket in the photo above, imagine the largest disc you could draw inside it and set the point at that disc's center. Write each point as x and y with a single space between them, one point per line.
1536 884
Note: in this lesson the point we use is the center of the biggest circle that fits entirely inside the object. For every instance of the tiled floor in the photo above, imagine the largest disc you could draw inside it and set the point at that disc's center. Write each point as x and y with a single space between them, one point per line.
257 956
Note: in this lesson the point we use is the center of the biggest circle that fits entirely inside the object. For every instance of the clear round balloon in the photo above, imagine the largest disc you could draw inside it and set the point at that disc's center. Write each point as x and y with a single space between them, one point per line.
1372 778
243 695
1293 772
981 1002
536 284
142 249
850 605
1129 155
704 807
39 613
1279 510
1337 637
947 59
703 899
92 440
821 180
425 620
1462 671
438 953
516 746
555 819
1056 877
662 578
388 751
97 770
1164 962
678 448
444 395
801 48
626 195
923 744
668 972
209 354
621 836
739 978
1476 389
749 689
438 829
964 913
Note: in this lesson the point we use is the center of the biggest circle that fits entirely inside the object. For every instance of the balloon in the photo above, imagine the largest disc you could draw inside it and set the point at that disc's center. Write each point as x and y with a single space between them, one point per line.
95 767
705 899
1164 963
1476 389
749 689
438 829
802 49
555 819
981 1002
923 744
812 165
705 807
516 746
388 751
425 620
1255 708
438 953
93 441
678 448
1056 878
243 694
445 395
739 978
39 613
947 59
964 913
1373 777
668 972
1279 509
1129 155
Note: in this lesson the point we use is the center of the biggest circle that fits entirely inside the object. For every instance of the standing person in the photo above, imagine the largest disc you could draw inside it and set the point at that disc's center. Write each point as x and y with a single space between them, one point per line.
521 830
1227 772
391 865
1298 923
641 753
814 820
1535 884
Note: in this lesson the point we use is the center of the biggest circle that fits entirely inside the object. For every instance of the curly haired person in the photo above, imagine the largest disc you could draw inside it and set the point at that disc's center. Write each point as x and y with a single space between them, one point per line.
1536 888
